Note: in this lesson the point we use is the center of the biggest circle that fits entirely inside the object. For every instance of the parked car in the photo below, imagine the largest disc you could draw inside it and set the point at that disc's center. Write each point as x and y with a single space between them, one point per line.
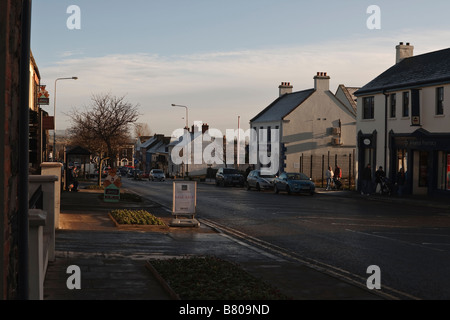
260 181
228 176
156 174
294 183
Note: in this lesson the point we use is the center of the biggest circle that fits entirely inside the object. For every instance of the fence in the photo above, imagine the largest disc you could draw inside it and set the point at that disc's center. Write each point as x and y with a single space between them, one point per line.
315 166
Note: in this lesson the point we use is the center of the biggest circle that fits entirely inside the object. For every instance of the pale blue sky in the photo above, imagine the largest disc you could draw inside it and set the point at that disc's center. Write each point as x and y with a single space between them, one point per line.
223 59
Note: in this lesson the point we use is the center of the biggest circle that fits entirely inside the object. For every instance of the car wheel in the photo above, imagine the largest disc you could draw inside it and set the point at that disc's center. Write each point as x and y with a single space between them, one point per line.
288 190
258 188
248 186
275 189
312 193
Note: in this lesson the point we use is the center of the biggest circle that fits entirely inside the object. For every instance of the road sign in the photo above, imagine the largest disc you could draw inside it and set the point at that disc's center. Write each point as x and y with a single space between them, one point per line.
43 96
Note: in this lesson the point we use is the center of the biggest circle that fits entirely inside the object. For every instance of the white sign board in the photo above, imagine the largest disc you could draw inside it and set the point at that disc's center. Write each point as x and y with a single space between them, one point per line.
184 197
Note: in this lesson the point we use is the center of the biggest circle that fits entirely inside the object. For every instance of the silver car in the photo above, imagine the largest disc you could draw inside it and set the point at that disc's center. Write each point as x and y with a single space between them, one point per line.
156 174
259 181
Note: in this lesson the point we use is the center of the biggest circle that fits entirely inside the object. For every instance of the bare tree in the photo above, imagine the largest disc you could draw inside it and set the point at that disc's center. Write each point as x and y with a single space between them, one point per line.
141 130
104 124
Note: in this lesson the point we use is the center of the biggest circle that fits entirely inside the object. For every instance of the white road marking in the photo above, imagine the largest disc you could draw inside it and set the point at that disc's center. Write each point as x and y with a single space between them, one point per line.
392 239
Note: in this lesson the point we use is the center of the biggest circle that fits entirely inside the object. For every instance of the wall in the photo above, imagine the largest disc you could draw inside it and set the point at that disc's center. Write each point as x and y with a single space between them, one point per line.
308 130
10 12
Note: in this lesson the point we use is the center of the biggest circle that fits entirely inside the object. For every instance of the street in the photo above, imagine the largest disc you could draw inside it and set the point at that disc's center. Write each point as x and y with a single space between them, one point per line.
336 233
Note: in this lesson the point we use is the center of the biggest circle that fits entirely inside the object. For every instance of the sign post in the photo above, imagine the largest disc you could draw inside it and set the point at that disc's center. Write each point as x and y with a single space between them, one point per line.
184 204
112 193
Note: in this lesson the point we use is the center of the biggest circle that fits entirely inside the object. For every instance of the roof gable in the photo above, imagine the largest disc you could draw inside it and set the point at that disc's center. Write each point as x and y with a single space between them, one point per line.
426 69
282 106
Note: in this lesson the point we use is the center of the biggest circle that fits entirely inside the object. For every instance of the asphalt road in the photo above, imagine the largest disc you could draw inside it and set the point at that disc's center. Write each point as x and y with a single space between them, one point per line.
340 234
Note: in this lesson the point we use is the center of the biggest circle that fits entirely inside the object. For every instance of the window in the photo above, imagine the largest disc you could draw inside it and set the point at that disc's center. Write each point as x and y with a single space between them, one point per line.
368 108
440 101
405 112
393 111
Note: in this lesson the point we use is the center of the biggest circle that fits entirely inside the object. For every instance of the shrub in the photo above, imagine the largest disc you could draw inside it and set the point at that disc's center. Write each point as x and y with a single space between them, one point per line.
135 217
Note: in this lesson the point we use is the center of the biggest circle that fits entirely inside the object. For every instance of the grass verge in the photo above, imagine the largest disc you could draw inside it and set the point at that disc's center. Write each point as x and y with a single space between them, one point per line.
211 278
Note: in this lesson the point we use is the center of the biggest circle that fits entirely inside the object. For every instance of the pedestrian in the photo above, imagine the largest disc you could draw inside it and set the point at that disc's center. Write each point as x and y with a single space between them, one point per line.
401 180
366 179
379 176
329 176
338 173
72 179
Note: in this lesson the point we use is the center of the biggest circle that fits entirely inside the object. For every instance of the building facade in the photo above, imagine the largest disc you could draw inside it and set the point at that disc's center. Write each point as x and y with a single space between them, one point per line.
316 128
404 121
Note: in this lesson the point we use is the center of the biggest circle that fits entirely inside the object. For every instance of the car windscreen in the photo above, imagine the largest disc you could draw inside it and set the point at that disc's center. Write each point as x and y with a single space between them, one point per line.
157 171
230 171
298 176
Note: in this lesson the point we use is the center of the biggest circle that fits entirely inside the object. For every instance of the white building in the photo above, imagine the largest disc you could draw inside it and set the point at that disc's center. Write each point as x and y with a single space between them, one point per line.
189 143
404 120
316 128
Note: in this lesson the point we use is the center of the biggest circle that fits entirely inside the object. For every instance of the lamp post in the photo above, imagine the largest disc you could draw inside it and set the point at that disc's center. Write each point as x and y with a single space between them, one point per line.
54 116
187 128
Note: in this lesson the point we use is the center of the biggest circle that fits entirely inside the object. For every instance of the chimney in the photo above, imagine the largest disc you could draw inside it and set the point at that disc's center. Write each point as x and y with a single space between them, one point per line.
285 88
321 82
403 51
205 127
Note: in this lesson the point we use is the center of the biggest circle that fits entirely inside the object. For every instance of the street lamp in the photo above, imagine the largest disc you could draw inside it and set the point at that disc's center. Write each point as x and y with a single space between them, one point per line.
54 116
187 128
187 120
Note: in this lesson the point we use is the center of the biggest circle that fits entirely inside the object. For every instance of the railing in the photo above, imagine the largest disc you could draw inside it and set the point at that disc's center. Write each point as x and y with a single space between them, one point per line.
41 237
44 209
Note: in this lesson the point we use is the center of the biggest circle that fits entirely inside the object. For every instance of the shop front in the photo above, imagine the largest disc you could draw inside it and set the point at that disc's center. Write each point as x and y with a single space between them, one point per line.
425 157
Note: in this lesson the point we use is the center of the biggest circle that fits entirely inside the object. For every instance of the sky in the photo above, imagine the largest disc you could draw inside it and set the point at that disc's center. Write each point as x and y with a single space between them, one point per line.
224 60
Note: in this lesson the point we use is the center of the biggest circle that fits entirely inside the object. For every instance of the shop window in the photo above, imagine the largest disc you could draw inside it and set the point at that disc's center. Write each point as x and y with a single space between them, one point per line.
402 159
423 169
443 171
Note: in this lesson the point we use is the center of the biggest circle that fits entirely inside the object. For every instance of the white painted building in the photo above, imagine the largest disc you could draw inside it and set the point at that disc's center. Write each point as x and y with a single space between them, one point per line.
404 121
313 124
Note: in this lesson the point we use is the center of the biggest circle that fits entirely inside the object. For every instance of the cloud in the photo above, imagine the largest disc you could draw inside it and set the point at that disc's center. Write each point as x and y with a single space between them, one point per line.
219 86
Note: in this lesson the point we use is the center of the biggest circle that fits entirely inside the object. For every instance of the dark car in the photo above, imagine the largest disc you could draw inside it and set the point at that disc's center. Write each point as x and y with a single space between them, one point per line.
294 183
229 177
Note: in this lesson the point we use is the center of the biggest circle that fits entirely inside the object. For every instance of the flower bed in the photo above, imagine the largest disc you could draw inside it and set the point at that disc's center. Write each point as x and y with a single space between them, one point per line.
211 278
135 217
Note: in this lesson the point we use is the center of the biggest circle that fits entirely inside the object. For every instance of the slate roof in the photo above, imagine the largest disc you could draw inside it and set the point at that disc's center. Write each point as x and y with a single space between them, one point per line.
427 69
282 106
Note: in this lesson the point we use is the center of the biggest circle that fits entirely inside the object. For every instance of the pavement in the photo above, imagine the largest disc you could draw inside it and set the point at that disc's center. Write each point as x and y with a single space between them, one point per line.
113 260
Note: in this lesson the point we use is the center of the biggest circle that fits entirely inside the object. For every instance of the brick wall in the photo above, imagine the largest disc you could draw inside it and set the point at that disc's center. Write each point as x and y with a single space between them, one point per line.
10 28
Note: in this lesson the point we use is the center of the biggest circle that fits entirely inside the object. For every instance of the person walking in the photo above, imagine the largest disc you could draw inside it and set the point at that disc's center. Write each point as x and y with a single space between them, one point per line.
366 180
379 176
329 176
337 177
401 180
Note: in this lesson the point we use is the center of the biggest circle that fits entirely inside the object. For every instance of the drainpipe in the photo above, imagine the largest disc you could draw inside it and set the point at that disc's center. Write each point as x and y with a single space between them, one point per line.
24 115
386 96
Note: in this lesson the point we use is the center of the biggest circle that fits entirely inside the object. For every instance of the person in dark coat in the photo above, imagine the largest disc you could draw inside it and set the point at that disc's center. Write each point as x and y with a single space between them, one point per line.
366 178
401 180
379 176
